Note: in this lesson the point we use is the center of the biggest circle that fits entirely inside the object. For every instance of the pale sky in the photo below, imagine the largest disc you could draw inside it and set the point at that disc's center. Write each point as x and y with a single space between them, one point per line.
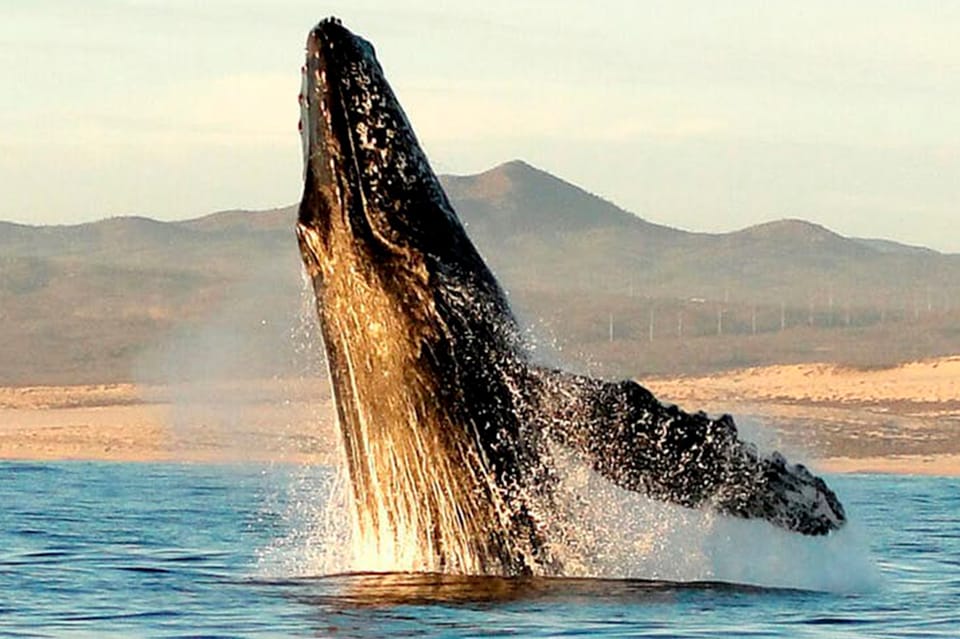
709 116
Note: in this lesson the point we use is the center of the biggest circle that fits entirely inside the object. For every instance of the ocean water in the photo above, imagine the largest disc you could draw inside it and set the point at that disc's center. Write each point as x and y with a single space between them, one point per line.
167 550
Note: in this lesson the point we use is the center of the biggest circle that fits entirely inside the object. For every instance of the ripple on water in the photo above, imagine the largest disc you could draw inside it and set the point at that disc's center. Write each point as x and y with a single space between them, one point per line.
140 550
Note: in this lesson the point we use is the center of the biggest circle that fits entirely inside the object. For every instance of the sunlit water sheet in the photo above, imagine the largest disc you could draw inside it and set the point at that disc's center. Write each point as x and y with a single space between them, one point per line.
99 549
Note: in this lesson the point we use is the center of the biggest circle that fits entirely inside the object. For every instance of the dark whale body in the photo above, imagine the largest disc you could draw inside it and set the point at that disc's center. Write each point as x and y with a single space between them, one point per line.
446 425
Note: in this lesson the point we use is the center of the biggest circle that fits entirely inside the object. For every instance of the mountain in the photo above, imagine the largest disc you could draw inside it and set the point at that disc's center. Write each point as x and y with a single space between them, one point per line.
796 233
887 246
518 199
223 294
279 219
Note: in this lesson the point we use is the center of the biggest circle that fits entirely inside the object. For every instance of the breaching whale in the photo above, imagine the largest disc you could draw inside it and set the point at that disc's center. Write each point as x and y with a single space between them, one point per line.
446 424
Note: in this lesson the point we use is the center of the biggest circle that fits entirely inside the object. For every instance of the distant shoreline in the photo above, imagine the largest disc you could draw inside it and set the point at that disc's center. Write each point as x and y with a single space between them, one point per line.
902 421
905 465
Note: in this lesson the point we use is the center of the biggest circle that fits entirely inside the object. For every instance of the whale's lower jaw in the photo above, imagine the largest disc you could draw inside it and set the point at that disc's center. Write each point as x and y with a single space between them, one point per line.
425 497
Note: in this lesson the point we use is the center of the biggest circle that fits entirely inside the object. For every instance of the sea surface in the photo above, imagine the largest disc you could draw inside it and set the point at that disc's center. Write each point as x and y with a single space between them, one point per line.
168 550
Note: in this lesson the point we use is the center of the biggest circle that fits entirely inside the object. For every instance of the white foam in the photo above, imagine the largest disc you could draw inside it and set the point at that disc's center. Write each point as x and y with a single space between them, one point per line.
601 531
608 532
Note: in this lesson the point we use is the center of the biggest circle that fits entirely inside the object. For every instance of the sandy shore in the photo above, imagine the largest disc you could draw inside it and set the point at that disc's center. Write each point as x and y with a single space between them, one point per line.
939 465
226 422
934 383
902 420
896 420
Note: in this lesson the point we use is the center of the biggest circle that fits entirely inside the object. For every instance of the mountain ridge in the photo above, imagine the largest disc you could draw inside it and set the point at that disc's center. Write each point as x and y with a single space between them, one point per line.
498 185
103 300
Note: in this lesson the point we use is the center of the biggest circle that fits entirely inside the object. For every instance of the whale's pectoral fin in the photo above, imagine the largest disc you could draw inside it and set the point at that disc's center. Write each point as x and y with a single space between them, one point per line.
688 459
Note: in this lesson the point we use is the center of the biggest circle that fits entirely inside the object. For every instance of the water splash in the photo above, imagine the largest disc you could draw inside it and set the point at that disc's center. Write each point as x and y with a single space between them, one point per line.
606 532
592 528
598 531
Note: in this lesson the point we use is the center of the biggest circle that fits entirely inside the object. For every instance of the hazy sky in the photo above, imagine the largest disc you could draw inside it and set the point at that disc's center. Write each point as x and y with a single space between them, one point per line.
703 115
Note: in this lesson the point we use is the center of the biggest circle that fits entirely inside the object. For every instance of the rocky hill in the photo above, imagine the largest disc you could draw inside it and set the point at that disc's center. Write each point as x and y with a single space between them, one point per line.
134 298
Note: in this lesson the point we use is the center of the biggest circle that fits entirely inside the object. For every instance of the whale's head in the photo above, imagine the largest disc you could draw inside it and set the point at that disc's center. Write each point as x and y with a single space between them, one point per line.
369 188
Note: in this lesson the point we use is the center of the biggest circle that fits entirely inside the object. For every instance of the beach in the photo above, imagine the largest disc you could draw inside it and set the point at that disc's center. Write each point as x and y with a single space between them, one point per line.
903 420
221 422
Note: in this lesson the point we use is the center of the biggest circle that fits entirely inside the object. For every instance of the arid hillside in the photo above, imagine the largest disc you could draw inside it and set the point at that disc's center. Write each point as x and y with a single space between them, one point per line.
134 299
